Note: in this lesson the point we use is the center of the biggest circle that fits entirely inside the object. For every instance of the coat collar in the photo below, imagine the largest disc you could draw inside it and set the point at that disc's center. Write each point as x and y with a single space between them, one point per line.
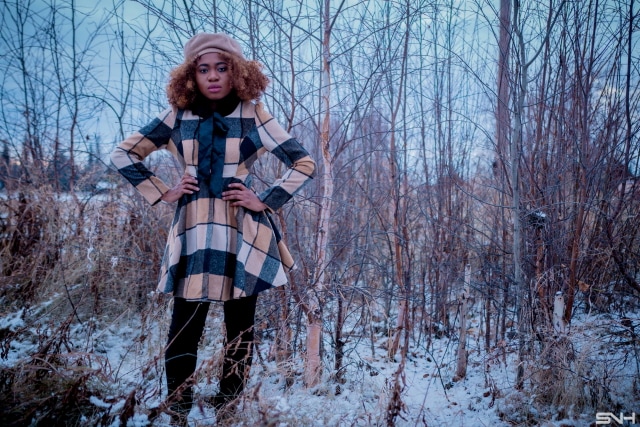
204 108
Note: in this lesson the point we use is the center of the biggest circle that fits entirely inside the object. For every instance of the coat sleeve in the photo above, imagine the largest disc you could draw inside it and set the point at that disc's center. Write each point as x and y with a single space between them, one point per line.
128 156
301 167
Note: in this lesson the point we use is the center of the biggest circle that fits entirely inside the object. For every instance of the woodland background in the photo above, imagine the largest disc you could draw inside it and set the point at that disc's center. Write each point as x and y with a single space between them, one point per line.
478 166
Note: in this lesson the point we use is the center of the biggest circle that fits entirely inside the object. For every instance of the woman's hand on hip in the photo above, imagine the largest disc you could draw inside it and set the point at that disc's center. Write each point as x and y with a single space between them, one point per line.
239 195
188 185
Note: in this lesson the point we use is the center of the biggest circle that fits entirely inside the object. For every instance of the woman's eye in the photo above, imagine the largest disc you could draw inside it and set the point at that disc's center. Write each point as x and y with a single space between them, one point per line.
222 69
203 70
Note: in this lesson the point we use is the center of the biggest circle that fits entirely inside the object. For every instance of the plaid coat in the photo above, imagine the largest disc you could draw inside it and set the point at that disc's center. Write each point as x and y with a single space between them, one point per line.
216 252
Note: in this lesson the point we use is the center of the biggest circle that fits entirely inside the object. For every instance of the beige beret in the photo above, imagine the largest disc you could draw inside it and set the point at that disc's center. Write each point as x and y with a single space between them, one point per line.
203 43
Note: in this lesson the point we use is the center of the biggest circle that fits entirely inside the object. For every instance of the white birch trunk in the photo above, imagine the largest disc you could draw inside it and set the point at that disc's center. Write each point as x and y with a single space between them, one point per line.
461 369
399 217
313 367
558 313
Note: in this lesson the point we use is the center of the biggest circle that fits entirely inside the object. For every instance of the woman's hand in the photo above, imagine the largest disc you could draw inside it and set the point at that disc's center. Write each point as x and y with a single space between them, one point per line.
239 195
188 184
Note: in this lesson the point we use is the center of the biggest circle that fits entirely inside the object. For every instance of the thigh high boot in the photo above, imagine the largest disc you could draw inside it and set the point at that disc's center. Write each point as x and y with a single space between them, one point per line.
181 354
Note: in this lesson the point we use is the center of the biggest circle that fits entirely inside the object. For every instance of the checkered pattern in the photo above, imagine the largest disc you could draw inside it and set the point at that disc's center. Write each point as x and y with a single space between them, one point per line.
216 252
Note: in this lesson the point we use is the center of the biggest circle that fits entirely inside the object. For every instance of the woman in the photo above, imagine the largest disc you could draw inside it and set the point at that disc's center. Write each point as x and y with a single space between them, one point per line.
222 245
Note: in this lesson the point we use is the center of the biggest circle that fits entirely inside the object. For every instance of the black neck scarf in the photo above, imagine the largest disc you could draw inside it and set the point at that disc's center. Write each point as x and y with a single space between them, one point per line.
212 140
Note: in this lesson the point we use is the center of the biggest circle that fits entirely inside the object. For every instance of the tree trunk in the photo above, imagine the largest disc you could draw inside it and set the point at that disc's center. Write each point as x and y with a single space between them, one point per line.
313 368
461 369
399 224
558 313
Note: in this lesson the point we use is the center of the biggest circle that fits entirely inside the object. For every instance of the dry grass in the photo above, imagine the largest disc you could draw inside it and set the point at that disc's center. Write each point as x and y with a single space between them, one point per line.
101 250
572 374
79 264
72 262
53 386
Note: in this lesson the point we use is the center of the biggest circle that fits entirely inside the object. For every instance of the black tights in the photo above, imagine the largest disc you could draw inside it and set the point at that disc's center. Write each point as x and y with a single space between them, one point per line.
181 355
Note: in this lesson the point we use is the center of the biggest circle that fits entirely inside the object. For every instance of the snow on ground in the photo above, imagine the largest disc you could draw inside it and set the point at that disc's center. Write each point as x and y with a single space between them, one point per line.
485 397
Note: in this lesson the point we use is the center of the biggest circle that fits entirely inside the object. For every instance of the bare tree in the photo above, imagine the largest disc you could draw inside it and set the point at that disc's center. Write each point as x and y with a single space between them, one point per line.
314 318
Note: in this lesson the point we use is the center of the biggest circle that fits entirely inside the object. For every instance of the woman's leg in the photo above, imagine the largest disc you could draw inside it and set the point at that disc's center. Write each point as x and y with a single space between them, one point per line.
181 354
239 317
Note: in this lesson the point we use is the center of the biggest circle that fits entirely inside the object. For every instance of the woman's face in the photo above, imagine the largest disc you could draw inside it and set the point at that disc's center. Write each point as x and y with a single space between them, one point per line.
213 76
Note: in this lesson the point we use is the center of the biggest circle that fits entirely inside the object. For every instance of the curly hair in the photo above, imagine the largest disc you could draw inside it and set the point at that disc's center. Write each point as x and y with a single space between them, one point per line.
247 79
